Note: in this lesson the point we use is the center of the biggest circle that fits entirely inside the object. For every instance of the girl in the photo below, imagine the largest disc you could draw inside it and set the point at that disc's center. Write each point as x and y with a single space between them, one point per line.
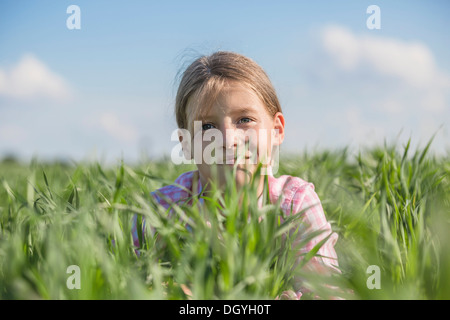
230 97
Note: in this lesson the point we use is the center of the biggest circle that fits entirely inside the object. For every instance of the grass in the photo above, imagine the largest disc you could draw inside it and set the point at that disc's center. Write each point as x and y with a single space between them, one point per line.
390 208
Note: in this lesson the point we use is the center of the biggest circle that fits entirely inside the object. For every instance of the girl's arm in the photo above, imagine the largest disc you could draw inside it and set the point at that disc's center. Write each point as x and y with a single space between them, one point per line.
306 202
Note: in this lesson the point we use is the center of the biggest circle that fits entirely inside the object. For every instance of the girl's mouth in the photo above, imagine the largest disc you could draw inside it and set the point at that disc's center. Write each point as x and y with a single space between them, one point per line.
234 160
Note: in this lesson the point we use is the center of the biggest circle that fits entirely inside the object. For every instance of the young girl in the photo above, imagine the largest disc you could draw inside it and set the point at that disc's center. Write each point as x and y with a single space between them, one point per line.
229 95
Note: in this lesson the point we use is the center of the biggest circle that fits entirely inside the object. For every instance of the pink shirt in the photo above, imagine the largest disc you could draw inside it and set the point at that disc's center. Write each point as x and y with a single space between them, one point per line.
296 195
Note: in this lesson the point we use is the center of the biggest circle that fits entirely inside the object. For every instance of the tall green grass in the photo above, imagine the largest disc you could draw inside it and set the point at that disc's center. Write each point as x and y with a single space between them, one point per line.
390 208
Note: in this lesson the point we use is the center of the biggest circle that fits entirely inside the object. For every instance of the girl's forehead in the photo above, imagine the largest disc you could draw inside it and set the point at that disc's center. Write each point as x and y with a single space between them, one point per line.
233 100
233 97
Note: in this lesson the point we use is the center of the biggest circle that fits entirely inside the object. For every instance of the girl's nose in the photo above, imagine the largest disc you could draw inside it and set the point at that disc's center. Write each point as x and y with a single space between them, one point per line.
230 137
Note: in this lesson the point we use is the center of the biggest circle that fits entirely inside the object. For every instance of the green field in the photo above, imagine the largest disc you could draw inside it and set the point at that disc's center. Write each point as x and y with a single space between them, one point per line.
389 205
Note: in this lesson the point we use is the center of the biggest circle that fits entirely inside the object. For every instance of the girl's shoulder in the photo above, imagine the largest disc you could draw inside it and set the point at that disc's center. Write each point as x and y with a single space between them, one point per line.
293 191
287 185
179 190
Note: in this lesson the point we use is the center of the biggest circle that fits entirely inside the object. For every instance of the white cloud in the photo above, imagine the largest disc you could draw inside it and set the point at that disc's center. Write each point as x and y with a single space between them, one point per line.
116 128
365 89
410 62
343 45
30 78
11 134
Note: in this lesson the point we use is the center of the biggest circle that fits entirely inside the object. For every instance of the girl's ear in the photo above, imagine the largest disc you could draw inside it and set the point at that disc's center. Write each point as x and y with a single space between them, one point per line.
278 126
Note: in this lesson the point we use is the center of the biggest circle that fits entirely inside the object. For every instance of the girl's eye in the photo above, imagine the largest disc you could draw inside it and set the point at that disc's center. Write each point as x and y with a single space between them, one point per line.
207 126
245 120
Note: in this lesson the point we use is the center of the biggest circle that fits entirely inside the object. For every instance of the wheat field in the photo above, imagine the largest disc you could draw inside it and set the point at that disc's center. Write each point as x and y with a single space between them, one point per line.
65 231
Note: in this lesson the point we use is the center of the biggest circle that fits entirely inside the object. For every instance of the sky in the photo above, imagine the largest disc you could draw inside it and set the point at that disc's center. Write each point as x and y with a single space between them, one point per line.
105 91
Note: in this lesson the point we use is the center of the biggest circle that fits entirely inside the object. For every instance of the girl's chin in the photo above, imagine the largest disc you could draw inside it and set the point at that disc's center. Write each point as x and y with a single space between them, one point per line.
243 175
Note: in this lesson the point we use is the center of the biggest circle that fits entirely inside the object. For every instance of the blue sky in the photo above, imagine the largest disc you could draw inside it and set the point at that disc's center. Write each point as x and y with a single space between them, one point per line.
107 90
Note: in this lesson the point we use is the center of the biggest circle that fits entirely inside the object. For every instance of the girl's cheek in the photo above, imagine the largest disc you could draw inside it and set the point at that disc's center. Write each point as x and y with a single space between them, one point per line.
264 144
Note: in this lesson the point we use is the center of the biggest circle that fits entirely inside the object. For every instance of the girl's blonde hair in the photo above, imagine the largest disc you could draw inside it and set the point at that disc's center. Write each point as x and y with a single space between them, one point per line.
204 79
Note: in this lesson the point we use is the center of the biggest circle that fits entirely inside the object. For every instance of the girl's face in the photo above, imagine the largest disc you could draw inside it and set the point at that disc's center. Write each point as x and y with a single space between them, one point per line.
236 131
